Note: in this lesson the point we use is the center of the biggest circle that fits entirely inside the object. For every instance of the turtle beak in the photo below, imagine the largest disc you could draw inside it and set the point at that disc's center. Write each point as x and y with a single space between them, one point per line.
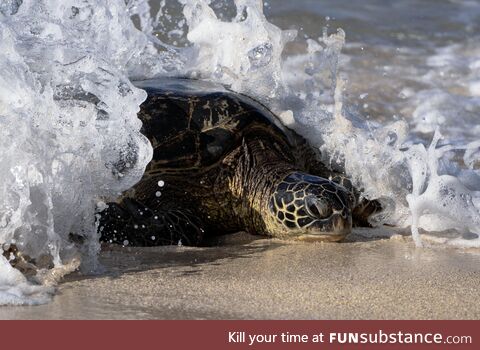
333 229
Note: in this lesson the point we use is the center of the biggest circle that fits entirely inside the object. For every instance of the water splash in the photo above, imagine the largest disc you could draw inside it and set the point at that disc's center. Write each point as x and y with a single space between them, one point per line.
309 87
69 131
450 204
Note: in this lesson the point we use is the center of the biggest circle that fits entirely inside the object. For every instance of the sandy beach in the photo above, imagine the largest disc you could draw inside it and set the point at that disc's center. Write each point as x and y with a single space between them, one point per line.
243 277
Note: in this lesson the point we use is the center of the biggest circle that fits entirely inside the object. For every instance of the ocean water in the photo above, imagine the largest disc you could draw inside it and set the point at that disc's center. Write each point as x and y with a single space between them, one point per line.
389 91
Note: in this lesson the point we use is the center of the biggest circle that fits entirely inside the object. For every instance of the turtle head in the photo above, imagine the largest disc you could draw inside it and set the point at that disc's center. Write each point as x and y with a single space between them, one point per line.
311 208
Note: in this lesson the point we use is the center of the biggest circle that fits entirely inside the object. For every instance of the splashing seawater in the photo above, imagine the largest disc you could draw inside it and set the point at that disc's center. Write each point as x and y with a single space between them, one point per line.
69 132
70 136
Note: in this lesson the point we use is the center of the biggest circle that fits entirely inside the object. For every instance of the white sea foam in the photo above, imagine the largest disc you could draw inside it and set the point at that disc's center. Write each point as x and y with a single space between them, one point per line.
69 134
68 128
417 187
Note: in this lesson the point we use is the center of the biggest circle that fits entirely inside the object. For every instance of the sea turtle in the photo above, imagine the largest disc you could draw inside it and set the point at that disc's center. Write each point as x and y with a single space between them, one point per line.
222 162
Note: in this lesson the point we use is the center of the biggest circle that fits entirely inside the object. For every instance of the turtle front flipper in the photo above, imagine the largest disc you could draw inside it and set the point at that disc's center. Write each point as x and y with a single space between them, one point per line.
363 208
132 223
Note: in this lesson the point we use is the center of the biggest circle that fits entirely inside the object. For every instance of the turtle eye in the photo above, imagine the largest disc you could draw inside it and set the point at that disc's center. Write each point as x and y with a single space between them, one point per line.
318 208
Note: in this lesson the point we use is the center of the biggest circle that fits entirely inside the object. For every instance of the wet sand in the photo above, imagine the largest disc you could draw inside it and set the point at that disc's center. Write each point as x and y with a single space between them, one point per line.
246 278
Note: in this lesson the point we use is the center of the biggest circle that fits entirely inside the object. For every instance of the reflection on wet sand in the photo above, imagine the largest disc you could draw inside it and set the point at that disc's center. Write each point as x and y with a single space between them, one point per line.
245 277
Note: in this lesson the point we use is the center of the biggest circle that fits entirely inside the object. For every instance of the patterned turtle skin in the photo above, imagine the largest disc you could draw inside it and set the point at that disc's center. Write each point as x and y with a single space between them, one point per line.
222 162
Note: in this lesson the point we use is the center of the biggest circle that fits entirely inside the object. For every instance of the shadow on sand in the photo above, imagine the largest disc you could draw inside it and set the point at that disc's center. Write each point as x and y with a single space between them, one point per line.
116 260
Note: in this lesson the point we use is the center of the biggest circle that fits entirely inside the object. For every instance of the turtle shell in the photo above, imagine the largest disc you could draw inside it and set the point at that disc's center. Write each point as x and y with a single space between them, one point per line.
193 124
